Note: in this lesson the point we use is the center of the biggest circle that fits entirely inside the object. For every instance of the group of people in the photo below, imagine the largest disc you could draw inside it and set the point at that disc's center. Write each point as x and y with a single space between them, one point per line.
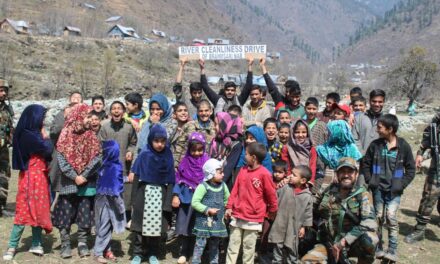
288 182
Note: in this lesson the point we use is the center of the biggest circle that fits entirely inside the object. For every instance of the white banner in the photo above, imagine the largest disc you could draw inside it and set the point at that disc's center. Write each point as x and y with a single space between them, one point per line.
222 52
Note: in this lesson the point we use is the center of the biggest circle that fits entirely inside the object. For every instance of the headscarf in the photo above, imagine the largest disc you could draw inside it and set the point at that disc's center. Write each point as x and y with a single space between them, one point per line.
27 138
231 129
339 144
77 145
155 167
299 153
163 103
110 180
190 171
259 135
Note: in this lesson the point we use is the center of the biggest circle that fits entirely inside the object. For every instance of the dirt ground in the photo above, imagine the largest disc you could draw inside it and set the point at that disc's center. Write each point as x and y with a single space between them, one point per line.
423 252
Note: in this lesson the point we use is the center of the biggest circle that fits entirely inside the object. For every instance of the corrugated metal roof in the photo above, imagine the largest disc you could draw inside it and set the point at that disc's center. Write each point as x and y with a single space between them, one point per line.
113 19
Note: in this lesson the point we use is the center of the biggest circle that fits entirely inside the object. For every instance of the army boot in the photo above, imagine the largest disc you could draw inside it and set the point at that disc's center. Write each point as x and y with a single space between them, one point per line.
417 235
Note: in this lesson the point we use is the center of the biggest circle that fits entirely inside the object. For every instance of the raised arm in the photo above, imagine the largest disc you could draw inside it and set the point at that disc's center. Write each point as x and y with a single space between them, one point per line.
273 90
249 82
177 89
211 94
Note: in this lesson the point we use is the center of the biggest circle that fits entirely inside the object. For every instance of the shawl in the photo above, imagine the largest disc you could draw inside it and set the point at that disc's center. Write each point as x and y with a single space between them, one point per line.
258 133
155 167
27 138
299 153
340 144
229 132
78 145
163 103
190 171
110 180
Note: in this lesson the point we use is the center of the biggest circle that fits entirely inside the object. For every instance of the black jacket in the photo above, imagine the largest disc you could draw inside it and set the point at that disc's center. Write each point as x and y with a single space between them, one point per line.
404 171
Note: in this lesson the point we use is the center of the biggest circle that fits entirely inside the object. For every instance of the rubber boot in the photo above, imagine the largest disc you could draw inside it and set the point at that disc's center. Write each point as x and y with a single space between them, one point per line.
417 235
66 251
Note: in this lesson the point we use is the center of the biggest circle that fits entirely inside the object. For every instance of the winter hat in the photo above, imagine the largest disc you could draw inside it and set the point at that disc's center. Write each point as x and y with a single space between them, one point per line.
210 167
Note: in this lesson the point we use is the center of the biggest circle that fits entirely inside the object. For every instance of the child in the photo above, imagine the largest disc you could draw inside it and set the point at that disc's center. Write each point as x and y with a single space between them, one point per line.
135 115
284 133
295 213
276 150
180 114
255 134
152 189
98 104
109 205
388 167
188 176
31 150
359 105
318 128
284 117
95 122
341 112
330 99
252 197
279 172
209 201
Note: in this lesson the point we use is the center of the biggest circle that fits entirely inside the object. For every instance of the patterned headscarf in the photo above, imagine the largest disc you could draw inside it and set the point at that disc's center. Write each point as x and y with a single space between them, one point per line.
340 144
190 171
77 144
230 130
299 153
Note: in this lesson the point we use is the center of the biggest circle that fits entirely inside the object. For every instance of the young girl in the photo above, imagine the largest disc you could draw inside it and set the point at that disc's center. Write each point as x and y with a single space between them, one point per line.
151 195
109 205
295 207
277 150
301 149
284 133
255 134
209 202
79 157
30 152
188 176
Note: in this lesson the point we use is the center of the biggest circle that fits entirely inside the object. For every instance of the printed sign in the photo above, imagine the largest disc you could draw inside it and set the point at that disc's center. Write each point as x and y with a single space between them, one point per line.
222 52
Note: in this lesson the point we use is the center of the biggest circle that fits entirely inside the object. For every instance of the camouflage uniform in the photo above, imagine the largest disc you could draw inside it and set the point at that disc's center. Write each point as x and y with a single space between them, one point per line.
6 127
361 239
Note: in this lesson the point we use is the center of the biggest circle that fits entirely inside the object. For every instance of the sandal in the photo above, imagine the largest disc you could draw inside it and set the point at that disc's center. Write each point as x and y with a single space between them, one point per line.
109 255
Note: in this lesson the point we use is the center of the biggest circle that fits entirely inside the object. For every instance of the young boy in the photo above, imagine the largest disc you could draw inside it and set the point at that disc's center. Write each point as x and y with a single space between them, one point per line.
284 133
295 203
252 197
330 99
388 167
135 115
180 114
355 92
358 105
284 117
341 112
279 171
318 128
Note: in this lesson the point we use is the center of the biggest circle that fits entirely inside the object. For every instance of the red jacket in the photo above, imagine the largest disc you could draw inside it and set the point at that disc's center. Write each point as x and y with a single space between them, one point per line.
253 195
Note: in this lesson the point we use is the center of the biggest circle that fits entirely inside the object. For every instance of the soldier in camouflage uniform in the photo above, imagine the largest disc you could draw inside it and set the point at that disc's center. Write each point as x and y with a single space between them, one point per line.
431 189
347 220
6 126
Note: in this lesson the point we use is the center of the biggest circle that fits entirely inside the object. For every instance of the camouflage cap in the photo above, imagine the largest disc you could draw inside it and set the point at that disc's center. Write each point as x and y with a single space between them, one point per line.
347 162
4 83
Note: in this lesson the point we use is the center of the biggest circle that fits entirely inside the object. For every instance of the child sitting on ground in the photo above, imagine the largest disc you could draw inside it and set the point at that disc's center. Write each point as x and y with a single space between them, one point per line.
295 203
209 201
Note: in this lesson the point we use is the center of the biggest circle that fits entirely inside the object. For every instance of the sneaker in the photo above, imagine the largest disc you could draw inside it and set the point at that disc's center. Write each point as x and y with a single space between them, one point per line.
380 254
9 254
83 250
37 250
66 251
416 235
153 260
136 260
181 260
391 255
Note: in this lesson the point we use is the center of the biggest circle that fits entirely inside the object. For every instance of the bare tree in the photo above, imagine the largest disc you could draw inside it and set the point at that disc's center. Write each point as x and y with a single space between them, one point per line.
7 61
82 74
414 75
109 68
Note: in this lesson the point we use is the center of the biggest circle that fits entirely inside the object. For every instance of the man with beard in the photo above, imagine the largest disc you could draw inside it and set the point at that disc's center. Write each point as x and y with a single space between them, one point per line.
364 128
6 127
347 219
256 110
291 101
116 128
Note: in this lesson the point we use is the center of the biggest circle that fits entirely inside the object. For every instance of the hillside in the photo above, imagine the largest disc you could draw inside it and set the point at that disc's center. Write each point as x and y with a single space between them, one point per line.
410 23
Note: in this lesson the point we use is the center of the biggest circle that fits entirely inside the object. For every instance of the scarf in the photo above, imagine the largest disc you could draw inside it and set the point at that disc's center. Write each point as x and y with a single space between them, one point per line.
190 171
230 130
155 167
163 103
258 133
299 153
110 180
77 145
27 138
340 144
